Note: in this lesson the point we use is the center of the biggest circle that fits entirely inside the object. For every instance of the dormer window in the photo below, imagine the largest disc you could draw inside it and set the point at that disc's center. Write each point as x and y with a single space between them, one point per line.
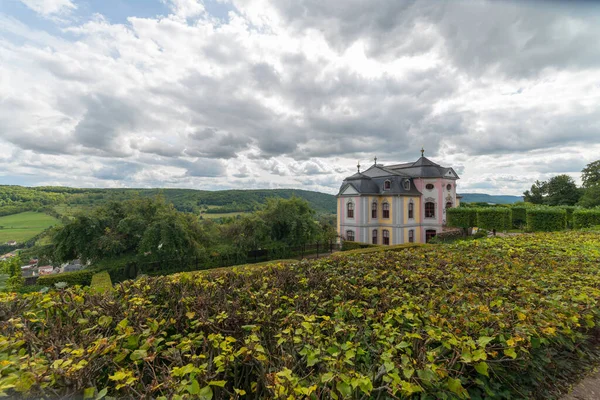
387 185
429 186
407 185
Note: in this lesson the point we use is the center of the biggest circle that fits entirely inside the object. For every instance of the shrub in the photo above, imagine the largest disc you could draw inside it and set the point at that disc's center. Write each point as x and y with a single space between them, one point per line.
546 219
448 236
82 278
494 218
437 322
569 210
347 245
519 216
101 282
378 249
586 218
461 217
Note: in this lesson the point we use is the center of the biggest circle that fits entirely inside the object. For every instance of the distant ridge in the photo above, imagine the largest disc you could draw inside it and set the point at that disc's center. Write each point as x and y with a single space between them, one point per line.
489 198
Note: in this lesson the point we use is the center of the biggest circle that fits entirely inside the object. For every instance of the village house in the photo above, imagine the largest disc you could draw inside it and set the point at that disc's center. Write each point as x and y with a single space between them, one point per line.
395 204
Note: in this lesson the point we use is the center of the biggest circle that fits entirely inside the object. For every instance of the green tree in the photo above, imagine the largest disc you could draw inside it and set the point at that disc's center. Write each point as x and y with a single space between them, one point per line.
590 175
562 191
15 279
590 197
537 193
289 221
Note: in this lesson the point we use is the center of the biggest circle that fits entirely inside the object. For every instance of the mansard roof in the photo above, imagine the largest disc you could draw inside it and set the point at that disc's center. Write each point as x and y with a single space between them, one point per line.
372 181
424 168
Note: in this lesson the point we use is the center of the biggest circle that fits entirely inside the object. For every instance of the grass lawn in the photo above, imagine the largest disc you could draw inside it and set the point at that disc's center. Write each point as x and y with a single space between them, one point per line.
24 226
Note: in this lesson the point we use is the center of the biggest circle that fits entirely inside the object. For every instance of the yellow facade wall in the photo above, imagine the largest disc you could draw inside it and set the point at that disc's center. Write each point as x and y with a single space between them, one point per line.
417 209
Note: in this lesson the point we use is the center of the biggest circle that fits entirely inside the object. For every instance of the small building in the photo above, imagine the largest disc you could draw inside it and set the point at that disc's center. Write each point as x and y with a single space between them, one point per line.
12 243
45 270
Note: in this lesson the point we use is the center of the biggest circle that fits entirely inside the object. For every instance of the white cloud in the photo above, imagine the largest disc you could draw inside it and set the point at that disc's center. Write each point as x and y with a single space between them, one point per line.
50 7
293 93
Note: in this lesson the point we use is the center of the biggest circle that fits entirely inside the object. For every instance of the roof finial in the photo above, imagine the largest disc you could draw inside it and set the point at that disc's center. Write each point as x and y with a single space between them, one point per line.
375 160
422 151
358 166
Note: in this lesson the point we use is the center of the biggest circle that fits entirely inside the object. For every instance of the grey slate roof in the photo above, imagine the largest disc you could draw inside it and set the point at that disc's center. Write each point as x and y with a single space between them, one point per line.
424 168
373 179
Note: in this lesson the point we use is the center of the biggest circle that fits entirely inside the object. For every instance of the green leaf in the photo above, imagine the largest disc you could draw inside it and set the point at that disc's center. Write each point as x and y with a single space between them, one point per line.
326 377
217 383
482 368
194 388
104 321
138 355
344 389
101 394
455 386
89 393
484 340
511 353
206 393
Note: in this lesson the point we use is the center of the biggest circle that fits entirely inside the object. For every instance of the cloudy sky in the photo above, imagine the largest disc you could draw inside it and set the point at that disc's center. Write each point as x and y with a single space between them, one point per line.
218 94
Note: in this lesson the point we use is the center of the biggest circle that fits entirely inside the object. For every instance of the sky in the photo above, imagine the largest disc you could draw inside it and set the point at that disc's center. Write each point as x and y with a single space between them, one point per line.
220 94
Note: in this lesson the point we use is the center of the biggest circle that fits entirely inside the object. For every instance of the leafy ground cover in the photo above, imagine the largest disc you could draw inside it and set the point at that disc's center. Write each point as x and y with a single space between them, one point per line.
24 226
511 317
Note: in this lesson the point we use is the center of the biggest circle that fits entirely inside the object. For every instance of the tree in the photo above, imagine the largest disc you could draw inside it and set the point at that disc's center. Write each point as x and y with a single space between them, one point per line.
590 197
12 266
537 192
562 191
289 221
590 175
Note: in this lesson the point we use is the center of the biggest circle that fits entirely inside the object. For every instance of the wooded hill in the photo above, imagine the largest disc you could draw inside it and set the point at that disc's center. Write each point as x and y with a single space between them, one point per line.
14 199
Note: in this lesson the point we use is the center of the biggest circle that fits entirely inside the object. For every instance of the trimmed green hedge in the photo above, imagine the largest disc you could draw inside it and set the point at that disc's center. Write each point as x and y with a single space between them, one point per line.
570 210
461 217
101 282
83 278
546 219
586 218
519 216
347 245
494 218
376 249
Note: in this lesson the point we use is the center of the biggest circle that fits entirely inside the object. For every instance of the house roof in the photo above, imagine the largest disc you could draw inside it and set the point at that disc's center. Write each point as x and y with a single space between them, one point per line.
424 168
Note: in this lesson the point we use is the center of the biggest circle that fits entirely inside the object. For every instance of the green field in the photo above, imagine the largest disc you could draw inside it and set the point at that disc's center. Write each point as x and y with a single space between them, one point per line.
22 227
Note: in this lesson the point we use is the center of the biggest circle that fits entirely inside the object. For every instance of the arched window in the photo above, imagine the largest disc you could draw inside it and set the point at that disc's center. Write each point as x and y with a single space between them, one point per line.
350 207
386 210
374 236
386 237
449 187
387 185
350 236
411 236
407 185
411 210
449 205
429 186
430 209
374 210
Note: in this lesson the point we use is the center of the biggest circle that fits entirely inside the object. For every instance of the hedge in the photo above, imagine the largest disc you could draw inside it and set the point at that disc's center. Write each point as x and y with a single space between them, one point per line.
83 278
570 210
101 282
348 245
586 218
546 219
461 217
376 249
519 216
494 218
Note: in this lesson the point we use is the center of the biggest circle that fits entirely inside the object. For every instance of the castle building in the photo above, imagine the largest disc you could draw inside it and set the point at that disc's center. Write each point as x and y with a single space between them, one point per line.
394 204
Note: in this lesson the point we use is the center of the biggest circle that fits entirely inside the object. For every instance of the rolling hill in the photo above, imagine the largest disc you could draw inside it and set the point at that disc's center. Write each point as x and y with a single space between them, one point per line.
489 198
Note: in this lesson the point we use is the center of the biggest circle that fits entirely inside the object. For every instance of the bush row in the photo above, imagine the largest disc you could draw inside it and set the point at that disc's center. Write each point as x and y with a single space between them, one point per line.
82 278
438 322
586 218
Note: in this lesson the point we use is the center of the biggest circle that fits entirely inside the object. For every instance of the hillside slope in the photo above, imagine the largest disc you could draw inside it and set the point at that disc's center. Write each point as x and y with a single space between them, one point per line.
489 198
